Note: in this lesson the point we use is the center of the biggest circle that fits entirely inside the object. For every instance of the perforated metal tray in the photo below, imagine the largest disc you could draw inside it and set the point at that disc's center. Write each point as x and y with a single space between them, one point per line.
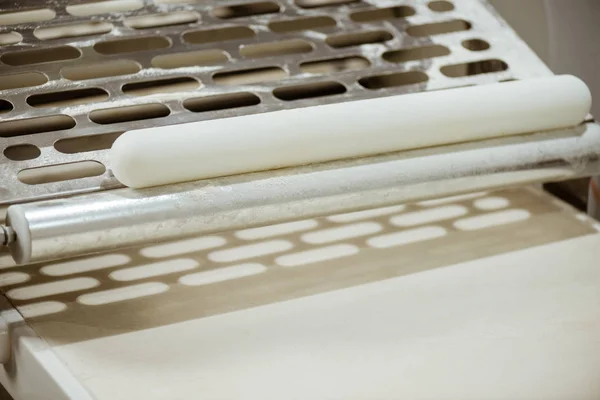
74 75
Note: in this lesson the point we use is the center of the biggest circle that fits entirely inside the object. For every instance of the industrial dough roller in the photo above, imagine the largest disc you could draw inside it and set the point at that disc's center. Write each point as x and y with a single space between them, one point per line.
372 146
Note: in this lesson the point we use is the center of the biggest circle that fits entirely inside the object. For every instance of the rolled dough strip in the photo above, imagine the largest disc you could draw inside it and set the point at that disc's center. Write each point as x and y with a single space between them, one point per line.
205 149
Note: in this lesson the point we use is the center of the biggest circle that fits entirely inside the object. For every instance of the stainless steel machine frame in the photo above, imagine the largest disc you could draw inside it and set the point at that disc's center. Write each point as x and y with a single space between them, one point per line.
92 73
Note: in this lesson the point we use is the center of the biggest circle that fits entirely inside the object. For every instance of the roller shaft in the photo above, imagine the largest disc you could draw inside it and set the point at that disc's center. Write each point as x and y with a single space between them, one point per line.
7 235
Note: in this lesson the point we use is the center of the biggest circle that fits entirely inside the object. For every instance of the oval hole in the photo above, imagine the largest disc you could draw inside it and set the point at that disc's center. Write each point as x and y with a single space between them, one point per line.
439 28
272 49
10 38
392 80
39 56
302 24
54 288
185 246
163 19
451 199
13 278
309 90
408 236
493 219
345 232
61 172
417 53
218 35
319 254
171 85
125 293
476 44
491 203
248 76
190 59
67 98
222 274
83 265
335 65
263 232
43 308
104 7
28 126
132 45
378 14
440 6
221 102
243 252
429 215
73 30
5 106
246 10
322 3
100 70
129 113
365 214
26 79
22 152
83 144
474 68
26 16
155 269
358 38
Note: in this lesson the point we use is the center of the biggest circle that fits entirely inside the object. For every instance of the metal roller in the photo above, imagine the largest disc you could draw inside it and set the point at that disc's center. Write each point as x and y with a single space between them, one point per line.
103 221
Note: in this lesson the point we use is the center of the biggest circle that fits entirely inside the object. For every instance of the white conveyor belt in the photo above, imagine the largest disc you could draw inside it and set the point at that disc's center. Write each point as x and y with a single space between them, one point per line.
205 149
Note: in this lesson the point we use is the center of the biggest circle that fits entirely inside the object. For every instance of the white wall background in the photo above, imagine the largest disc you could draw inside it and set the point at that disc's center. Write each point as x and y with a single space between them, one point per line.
564 33
528 18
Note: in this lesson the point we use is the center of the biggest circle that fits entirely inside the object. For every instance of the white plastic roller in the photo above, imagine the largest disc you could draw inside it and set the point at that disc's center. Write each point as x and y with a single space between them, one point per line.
198 150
